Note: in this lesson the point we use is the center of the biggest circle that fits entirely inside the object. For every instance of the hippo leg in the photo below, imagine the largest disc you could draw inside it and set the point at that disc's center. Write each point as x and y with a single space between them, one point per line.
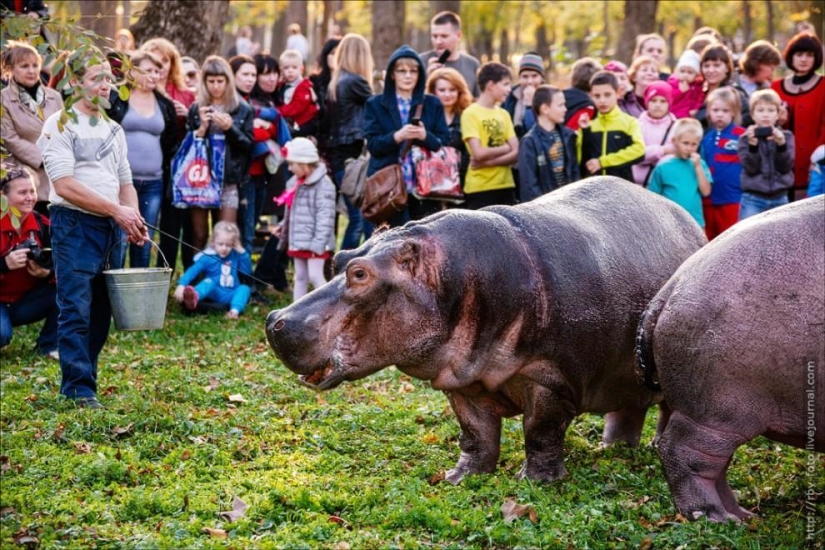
480 438
661 424
545 423
624 425
695 459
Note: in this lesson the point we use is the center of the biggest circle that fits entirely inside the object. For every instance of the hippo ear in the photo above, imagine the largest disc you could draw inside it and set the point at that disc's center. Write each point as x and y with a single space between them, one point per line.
409 256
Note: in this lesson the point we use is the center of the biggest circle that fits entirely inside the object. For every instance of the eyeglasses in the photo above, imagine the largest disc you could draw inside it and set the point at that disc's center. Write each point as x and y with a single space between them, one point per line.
406 71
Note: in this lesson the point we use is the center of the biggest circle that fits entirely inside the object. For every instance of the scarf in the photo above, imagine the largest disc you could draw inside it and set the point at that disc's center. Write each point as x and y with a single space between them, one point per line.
33 104
288 196
800 80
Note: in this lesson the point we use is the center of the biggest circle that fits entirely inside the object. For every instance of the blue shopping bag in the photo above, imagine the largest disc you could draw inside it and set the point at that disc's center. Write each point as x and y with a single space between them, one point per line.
198 172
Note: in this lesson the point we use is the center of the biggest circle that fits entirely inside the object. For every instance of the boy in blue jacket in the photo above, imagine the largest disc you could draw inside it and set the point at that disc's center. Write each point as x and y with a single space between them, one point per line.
547 153
221 267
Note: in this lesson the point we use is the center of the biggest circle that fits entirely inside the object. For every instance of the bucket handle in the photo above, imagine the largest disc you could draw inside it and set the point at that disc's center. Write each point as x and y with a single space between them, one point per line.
153 243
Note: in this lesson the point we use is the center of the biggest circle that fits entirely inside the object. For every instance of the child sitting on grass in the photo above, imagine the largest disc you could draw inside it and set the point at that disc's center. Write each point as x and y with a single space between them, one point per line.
221 265
684 178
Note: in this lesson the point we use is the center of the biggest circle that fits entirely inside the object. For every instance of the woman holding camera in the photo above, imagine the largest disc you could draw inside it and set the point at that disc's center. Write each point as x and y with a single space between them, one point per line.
27 290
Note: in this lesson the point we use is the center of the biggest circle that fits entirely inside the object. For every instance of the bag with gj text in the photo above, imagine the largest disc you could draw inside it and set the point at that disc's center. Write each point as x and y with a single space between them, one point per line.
198 172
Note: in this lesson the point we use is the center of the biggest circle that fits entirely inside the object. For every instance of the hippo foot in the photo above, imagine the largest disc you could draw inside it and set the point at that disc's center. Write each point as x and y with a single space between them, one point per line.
468 466
546 474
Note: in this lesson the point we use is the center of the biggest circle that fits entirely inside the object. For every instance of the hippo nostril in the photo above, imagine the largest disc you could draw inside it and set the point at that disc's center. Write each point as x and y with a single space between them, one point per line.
279 324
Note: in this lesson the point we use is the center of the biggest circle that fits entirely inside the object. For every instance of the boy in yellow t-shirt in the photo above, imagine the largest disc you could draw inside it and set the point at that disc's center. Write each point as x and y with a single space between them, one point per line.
491 139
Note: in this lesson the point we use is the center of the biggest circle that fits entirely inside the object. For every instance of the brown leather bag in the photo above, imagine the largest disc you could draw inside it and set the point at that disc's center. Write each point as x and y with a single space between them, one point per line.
385 192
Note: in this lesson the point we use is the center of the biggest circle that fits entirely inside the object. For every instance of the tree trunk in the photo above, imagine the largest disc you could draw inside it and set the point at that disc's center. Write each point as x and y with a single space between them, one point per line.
387 30
639 18
99 16
278 35
175 21
504 47
771 30
606 26
437 6
747 21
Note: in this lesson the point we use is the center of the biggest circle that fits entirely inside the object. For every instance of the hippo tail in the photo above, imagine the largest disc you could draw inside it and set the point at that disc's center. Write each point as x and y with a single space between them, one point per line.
645 362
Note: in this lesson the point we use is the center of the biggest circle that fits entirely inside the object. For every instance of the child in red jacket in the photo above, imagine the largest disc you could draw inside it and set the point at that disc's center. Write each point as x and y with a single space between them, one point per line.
295 98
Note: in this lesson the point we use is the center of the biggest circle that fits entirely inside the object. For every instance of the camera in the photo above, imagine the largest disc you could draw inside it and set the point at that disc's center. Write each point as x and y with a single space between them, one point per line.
763 132
40 256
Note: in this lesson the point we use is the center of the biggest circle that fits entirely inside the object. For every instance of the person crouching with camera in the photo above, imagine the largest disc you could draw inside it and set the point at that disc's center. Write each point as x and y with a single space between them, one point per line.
767 155
27 289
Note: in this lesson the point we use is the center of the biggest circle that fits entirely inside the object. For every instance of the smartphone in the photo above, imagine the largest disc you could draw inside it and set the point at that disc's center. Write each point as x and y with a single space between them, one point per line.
444 57
763 132
415 121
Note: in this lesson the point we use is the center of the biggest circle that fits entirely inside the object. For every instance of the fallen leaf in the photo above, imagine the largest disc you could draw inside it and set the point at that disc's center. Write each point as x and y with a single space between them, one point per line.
41 380
7 511
238 510
186 455
406 387
430 439
120 431
4 464
215 533
58 432
513 511
82 448
213 384
236 398
646 544
438 477
32 398
342 546
109 390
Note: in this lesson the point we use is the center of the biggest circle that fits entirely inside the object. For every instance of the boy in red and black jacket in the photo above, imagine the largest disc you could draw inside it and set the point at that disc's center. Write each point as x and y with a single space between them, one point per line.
295 98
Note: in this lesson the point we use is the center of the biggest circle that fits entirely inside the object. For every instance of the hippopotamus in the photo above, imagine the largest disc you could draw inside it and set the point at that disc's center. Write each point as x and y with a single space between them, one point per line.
528 309
735 342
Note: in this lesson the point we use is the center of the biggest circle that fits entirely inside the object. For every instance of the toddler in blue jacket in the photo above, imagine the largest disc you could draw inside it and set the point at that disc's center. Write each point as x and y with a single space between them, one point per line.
221 265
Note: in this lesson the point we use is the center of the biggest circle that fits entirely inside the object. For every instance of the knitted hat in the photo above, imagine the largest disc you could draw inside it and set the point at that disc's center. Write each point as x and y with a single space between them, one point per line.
689 59
615 67
301 150
661 89
531 62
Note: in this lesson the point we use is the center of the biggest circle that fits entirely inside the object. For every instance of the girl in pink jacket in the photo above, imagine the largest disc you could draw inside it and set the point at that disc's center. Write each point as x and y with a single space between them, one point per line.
657 123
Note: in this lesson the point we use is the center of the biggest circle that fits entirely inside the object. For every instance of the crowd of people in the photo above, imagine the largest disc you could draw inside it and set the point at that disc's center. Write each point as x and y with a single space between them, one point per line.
724 140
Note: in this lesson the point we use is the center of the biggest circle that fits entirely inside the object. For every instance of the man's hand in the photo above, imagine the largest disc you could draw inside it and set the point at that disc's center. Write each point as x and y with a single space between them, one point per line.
130 220
593 165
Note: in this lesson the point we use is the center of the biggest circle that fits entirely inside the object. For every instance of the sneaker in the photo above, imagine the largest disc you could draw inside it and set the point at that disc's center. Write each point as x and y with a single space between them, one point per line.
190 298
88 403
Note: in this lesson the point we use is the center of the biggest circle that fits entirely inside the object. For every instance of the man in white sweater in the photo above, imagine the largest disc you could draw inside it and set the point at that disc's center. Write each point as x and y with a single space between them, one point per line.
93 204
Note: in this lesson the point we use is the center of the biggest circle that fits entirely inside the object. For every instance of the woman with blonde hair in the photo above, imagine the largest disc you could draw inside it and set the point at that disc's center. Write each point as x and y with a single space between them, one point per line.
219 109
451 89
172 84
643 72
26 105
349 89
652 45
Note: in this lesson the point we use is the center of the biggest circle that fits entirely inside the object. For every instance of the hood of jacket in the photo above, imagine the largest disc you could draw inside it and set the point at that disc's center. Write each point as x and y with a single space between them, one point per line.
389 83
576 100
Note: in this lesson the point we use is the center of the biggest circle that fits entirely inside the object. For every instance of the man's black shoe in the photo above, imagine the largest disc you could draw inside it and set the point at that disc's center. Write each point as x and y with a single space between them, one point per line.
88 403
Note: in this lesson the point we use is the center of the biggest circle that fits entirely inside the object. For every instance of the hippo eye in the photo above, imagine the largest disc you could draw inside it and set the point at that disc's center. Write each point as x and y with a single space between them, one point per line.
358 274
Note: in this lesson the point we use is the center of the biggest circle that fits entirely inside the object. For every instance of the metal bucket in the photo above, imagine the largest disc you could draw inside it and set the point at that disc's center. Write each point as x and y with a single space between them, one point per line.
138 296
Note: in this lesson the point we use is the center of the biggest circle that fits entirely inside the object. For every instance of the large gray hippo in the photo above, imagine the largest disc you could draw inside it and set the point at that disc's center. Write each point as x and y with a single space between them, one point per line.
529 309
737 341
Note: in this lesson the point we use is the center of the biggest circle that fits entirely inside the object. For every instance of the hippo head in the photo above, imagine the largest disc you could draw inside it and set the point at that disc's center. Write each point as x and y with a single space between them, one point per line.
383 307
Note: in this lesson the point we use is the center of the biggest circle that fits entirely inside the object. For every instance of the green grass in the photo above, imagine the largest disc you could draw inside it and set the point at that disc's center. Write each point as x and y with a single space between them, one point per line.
353 468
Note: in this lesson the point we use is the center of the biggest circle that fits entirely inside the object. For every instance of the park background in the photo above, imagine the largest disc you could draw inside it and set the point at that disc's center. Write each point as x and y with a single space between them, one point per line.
502 30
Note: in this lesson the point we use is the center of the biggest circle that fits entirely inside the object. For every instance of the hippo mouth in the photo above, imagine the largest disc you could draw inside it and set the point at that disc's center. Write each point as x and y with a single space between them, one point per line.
328 376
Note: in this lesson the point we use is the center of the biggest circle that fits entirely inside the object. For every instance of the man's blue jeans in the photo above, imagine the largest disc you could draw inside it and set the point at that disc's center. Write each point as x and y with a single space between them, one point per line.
752 204
83 247
35 305
150 193
357 224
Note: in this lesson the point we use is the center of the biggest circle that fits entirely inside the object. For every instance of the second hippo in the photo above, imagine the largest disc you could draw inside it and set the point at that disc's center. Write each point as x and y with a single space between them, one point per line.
526 310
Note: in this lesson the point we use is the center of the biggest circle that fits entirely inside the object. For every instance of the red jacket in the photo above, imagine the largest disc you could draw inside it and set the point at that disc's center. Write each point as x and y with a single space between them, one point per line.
806 121
304 105
17 282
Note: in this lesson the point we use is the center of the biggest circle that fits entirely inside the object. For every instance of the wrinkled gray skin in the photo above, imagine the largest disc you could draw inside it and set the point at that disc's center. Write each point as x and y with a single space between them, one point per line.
734 336
526 310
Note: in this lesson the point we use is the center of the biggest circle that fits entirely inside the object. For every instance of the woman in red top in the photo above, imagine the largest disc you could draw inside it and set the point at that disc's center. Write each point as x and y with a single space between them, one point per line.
172 84
804 93
27 291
